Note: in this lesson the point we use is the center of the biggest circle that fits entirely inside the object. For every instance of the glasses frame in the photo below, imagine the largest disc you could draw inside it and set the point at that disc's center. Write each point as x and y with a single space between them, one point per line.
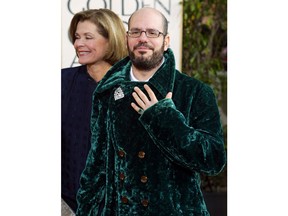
140 33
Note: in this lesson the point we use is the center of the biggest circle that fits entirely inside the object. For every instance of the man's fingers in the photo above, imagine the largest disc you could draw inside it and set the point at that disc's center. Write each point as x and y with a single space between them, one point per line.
138 100
142 102
150 93
137 108
141 95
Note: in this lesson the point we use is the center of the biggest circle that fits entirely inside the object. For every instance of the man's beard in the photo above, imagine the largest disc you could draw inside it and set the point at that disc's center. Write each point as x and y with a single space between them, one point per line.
147 63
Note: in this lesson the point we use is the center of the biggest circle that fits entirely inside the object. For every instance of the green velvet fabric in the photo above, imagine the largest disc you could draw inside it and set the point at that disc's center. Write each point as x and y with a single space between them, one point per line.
181 137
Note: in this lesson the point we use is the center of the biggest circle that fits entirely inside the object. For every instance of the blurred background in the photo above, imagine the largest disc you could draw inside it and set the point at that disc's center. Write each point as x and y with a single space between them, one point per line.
198 30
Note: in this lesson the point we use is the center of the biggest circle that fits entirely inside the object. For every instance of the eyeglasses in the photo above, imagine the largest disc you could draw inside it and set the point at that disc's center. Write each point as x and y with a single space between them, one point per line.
150 33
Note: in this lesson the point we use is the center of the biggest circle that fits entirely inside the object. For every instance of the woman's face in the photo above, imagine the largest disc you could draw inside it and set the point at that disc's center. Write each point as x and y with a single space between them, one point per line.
89 45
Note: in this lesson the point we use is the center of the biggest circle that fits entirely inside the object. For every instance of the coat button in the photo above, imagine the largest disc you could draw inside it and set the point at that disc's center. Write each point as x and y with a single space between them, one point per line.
121 153
144 179
124 199
122 176
145 202
141 154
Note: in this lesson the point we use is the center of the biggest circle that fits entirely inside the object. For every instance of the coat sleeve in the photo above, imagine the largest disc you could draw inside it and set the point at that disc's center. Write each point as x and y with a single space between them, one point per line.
92 181
194 141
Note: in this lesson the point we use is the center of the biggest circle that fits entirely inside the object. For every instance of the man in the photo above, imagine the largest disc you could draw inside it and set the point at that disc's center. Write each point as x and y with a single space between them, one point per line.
154 130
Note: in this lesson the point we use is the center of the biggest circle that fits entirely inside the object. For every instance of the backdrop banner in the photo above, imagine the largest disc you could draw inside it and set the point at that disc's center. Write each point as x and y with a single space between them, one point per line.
172 10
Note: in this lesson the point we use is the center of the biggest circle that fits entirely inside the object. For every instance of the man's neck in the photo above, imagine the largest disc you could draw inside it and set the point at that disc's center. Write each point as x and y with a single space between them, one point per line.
138 75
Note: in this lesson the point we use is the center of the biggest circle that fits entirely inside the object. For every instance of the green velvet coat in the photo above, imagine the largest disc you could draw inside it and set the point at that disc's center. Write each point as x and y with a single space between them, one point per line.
150 164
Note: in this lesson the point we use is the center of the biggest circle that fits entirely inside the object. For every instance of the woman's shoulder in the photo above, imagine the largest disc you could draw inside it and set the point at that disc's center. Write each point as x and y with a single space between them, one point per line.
70 70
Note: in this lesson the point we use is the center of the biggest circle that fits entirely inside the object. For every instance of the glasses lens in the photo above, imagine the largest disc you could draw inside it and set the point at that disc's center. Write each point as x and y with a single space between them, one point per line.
134 33
152 33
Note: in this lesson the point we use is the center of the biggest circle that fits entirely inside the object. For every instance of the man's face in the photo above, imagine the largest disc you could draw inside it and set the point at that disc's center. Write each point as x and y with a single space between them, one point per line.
145 52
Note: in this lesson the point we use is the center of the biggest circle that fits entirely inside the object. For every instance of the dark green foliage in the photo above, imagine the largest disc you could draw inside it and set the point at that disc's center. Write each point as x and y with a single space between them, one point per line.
204 57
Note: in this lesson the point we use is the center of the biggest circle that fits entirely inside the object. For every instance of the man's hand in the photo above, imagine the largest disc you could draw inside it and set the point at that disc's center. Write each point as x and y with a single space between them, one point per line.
142 101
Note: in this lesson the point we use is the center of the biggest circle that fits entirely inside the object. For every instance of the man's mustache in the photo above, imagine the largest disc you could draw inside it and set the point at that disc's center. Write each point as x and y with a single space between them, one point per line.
143 45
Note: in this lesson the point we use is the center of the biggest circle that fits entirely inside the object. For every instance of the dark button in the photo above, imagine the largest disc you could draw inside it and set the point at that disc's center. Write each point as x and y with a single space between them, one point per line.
121 153
122 176
124 199
141 154
145 202
144 179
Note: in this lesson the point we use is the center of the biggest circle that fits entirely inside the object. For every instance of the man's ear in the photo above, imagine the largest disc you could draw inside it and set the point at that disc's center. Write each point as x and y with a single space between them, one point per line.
166 42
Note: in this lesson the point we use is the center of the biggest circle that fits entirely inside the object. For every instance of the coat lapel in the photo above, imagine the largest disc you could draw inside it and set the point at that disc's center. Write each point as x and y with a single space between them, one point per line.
163 80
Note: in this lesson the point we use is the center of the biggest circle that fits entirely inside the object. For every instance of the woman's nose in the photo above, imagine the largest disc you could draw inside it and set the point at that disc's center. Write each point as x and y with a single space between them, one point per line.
78 42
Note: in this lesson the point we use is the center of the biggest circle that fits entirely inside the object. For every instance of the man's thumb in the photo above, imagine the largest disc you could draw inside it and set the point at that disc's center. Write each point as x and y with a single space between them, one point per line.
169 95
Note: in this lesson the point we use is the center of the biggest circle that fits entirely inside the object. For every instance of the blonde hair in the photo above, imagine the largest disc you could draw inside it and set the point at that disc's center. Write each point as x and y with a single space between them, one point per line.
109 26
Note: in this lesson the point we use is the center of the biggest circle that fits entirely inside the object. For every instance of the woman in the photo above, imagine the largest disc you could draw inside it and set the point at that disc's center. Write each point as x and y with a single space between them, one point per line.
98 37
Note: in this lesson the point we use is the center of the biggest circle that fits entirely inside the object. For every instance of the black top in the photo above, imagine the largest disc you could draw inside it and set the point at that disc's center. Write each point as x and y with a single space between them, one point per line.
77 89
